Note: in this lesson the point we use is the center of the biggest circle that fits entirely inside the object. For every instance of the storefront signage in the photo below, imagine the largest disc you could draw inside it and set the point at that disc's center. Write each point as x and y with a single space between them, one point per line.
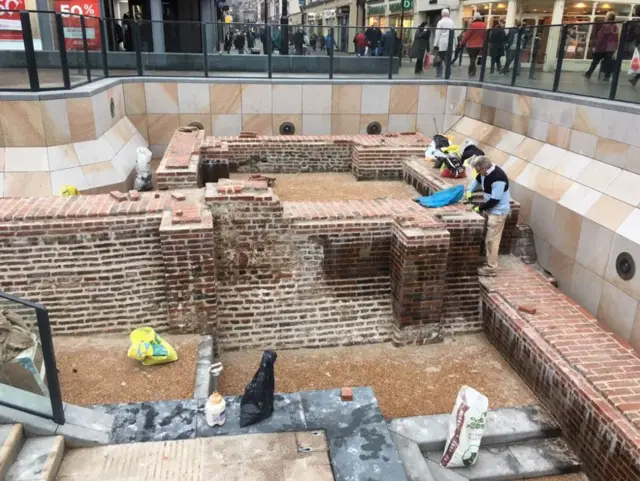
397 7
376 9
72 27
10 26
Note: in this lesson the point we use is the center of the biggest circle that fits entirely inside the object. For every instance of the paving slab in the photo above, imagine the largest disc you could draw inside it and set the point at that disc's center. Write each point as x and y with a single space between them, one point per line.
503 426
415 465
38 460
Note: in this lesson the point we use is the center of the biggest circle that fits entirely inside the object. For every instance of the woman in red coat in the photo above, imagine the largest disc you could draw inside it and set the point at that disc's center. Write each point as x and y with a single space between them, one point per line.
605 46
474 41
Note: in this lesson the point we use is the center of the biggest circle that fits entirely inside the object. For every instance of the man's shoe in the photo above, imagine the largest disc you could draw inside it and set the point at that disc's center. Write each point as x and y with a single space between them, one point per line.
486 272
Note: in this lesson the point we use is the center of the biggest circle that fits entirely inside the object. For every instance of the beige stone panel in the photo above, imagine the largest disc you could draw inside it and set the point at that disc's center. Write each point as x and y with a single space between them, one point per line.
566 233
586 288
162 127
432 99
226 124
101 174
140 123
316 124
559 136
594 247
584 120
524 197
474 95
316 99
22 123
287 99
579 198
295 119
261 124
225 98
551 185
599 175
609 212
345 124
81 121
367 119
403 99
617 310
496 156
528 149
493 136
345 99
256 99
561 266
161 97
1 136
56 122
134 99
632 162
204 119
612 152
472 110
520 124
375 99
583 144
542 214
488 114
27 184
513 166
3 156
193 98
626 187
402 122
619 245
522 105
635 331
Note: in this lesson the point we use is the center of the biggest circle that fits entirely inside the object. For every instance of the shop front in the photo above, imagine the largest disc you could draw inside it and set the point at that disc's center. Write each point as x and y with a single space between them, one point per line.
376 14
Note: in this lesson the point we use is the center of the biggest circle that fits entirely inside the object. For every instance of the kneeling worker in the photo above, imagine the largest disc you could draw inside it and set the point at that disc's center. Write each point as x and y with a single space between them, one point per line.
495 186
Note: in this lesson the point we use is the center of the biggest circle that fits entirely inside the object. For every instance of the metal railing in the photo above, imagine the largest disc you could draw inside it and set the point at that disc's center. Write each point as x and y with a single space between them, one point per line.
83 49
56 412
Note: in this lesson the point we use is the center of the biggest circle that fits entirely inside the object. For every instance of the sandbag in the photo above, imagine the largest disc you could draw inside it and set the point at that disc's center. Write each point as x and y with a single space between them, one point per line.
257 400
466 425
149 348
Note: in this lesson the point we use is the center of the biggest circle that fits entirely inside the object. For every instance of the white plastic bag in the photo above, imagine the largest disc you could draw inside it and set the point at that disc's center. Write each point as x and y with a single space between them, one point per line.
144 175
465 429
634 67
430 153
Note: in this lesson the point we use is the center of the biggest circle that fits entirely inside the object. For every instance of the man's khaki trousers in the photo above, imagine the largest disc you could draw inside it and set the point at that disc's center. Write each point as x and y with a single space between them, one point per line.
495 226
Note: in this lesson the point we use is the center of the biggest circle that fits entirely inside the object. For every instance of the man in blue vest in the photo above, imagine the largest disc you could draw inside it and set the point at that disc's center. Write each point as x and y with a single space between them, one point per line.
493 182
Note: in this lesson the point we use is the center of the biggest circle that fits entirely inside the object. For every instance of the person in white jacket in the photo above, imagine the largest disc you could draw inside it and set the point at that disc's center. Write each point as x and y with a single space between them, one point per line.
441 41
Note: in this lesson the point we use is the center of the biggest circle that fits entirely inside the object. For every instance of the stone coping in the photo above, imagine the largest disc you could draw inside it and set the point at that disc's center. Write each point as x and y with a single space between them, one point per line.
360 445
88 90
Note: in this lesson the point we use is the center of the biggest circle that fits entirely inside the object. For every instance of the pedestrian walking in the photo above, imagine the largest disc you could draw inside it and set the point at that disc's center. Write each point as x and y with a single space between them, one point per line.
420 46
497 40
474 41
604 48
441 42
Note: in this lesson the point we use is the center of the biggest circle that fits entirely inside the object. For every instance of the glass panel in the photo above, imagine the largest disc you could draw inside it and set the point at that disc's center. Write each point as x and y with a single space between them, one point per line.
74 45
171 48
628 90
121 58
366 53
23 375
308 55
13 63
94 45
589 74
236 49
466 61
537 59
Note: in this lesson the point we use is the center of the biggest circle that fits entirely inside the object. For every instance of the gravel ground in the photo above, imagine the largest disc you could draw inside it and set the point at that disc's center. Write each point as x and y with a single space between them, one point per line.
334 186
407 381
96 370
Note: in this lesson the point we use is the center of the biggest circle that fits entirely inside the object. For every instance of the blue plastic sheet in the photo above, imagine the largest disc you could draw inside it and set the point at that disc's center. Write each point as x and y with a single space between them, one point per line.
448 196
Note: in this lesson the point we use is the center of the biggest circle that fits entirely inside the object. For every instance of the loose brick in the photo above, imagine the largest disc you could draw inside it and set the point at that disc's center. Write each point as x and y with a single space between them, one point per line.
134 195
178 196
119 196
528 309
346 394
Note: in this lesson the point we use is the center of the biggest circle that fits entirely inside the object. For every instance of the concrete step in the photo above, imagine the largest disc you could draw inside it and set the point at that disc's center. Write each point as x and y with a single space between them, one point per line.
503 426
11 440
524 460
38 460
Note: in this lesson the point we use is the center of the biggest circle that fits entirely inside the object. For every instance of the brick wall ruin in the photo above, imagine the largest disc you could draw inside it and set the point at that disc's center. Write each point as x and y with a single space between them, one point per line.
368 157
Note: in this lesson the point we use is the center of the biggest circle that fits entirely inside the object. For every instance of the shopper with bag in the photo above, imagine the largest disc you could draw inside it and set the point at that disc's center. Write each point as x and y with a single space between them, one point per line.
634 39
441 41
474 41
604 48
420 46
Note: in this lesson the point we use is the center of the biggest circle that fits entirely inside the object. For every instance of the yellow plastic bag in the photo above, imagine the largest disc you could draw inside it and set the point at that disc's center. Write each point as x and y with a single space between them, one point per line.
149 348
452 149
68 191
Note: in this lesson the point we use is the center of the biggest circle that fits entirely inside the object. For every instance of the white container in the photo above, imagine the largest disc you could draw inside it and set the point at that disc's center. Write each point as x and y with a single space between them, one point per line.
215 410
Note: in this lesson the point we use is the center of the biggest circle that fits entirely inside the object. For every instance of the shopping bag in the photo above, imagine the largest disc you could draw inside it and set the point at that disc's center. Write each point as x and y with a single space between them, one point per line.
427 60
366 50
634 69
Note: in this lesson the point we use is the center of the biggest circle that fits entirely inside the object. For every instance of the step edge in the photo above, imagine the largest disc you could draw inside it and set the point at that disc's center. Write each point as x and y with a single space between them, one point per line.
492 440
52 464
13 445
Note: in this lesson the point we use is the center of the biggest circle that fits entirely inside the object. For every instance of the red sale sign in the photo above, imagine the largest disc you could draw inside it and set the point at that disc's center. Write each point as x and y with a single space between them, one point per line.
72 27
10 26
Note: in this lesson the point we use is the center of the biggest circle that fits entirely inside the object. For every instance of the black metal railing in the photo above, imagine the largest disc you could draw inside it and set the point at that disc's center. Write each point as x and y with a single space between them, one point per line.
83 49
56 413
